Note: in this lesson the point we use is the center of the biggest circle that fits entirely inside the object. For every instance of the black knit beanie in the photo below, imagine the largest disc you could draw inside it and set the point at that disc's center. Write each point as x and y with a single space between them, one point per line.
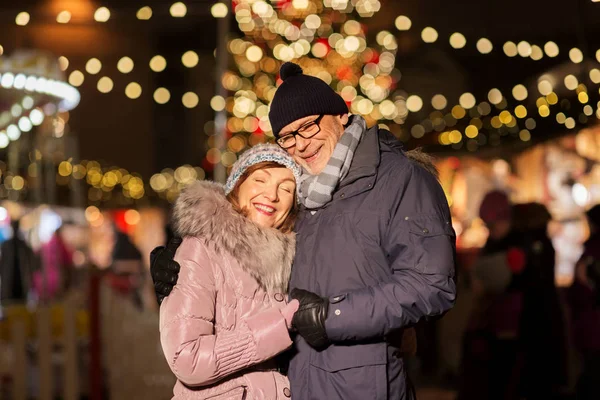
300 96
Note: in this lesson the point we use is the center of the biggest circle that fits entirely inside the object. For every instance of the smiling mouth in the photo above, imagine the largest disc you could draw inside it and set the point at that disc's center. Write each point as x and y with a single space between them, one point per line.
264 209
312 157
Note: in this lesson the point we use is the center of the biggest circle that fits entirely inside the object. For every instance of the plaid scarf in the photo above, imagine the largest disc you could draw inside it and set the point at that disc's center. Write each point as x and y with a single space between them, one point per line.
317 190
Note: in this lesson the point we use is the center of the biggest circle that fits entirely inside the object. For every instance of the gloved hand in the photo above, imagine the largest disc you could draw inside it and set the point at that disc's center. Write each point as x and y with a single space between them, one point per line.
309 320
163 269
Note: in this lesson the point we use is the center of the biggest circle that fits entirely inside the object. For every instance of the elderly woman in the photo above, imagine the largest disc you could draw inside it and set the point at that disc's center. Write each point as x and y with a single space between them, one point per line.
228 315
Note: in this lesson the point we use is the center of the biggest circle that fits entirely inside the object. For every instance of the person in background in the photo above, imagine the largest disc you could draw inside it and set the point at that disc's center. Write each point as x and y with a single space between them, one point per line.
57 262
541 371
584 302
228 317
491 339
18 263
126 273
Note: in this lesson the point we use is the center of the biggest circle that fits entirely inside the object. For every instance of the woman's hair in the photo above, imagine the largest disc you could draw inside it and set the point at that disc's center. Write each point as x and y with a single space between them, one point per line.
288 223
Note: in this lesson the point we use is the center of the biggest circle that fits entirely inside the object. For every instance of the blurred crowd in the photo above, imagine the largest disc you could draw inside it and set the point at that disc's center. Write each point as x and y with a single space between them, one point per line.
525 337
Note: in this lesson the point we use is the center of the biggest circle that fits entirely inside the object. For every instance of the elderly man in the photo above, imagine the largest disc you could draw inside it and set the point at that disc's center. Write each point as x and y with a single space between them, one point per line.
375 246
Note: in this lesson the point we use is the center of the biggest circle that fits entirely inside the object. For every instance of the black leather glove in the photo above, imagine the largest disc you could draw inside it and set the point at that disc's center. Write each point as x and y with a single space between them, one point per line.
309 320
163 269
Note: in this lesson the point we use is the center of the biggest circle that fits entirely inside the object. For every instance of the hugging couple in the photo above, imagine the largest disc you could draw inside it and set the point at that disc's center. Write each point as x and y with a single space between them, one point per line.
303 276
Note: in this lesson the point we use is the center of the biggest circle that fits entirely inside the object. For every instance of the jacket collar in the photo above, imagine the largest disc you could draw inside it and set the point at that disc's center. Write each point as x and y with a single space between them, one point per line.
202 211
366 158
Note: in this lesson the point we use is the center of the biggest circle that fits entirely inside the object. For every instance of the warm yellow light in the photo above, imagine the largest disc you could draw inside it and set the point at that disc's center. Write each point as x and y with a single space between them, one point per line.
467 100
414 103
158 63
536 53
190 99
595 75
403 23
551 49
520 111
65 168
93 66
471 131
524 49
495 96
505 117
552 98
190 59
217 103
561 118
63 17
484 46
319 50
519 92
105 84
598 55
365 106
455 136
429 35
444 138
544 111
583 97
22 18
313 22
133 90
125 65
524 135
18 182
102 14
76 78
570 123
132 217
162 95
178 10
144 13
495 122
300 4
63 63
458 112
254 53
545 87
571 82
439 102
219 10
510 49
576 55
458 40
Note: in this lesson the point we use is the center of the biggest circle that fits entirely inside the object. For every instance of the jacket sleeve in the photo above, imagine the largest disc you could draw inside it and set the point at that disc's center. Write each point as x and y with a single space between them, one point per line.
196 354
420 247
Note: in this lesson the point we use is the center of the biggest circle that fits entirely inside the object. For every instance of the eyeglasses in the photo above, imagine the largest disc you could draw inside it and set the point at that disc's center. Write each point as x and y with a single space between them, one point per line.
306 131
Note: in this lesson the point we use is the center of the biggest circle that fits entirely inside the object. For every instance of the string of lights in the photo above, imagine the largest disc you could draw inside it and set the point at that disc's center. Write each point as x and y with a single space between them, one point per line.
329 40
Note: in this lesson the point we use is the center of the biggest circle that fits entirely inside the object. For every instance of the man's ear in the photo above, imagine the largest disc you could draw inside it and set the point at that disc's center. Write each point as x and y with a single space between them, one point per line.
344 119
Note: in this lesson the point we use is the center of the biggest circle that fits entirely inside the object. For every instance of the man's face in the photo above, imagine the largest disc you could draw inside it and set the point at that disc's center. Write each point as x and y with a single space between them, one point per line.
314 153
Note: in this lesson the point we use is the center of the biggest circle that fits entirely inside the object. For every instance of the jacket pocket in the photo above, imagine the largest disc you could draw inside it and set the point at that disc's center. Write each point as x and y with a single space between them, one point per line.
349 372
433 245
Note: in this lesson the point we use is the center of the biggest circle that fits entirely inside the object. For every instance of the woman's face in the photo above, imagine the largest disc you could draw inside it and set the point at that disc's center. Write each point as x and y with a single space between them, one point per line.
268 195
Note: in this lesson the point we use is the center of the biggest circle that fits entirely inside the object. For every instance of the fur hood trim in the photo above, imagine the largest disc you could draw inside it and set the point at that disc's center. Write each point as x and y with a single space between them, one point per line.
202 211
424 160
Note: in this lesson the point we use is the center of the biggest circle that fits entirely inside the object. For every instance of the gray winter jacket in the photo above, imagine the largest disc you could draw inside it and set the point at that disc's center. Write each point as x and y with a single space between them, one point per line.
383 252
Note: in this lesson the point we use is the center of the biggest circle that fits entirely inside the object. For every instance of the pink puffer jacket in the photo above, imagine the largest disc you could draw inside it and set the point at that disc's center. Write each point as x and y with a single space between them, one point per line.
221 326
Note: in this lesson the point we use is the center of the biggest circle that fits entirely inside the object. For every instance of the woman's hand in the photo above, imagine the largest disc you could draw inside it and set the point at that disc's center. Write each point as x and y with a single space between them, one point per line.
288 312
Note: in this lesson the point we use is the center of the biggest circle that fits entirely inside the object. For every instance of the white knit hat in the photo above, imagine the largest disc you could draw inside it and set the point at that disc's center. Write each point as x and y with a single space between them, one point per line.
261 153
